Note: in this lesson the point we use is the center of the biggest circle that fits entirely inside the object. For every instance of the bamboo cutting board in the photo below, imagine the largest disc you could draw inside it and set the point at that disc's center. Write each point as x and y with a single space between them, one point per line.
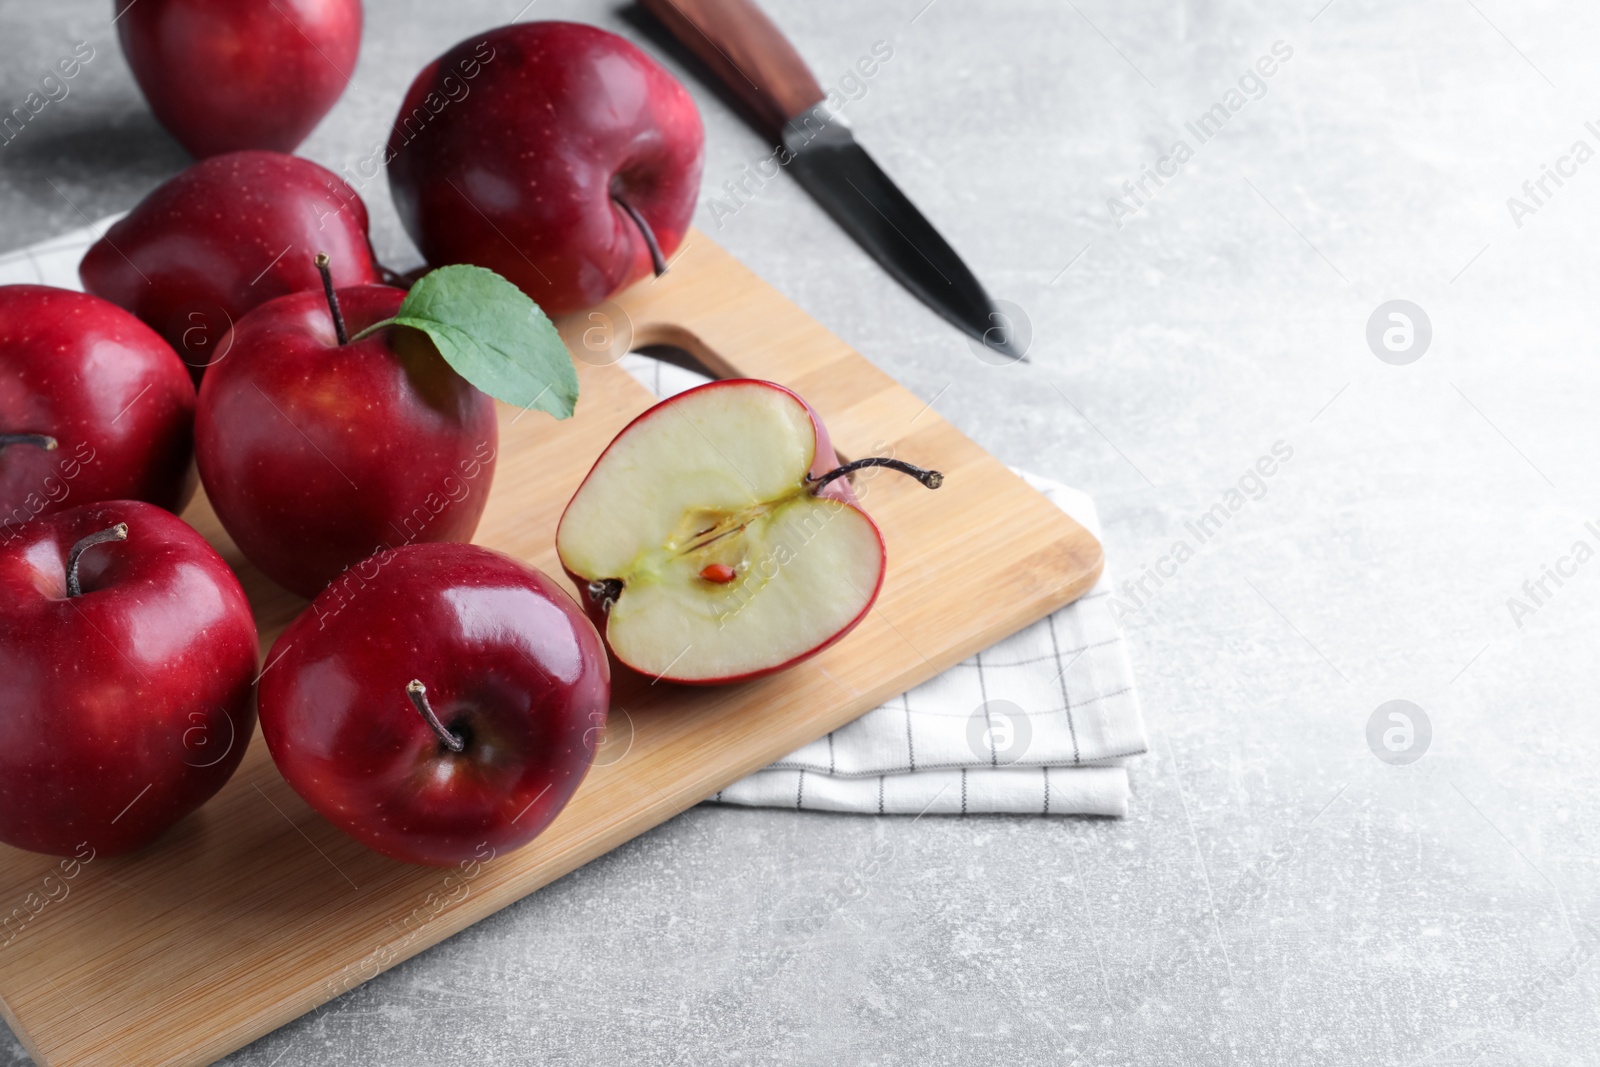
254 911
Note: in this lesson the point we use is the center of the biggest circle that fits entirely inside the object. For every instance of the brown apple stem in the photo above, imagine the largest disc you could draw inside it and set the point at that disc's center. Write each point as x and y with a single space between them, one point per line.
43 441
419 698
931 479
333 300
657 260
119 532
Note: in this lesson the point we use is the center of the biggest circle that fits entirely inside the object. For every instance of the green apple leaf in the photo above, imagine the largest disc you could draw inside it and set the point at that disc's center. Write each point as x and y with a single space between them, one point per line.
493 335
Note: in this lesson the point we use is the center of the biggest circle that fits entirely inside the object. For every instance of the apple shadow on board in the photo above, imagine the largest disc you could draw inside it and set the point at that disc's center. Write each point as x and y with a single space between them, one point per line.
103 158
678 357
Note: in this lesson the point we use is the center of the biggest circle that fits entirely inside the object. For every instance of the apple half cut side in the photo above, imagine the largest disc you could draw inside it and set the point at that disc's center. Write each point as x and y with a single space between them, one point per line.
716 539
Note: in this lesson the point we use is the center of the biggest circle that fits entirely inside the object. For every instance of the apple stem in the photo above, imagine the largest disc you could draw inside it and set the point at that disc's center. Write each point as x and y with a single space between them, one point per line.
604 591
44 441
657 260
333 300
931 479
119 532
419 698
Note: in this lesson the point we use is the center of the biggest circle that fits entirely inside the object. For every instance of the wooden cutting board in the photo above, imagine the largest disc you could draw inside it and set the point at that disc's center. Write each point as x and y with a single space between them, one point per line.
254 910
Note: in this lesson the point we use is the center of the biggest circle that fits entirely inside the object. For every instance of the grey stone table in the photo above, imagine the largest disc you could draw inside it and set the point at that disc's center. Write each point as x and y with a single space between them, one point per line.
1279 894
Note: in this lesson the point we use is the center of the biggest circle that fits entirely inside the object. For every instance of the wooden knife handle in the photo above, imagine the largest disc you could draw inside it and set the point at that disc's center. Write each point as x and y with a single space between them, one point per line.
747 53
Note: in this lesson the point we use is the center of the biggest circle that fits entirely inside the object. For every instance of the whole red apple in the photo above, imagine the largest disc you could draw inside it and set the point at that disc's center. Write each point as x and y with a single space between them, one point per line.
93 406
716 540
552 153
317 453
223 236
128 651
222 75
452 700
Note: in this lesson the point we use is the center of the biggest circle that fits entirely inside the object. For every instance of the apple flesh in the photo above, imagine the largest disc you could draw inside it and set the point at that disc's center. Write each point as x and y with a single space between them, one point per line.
224 76
317 453
715 539
556 154
224 236
94 405
445 711
128 652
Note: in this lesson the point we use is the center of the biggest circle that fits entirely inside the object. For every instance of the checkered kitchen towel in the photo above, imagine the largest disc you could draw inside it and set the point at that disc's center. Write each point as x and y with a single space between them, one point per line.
1040 723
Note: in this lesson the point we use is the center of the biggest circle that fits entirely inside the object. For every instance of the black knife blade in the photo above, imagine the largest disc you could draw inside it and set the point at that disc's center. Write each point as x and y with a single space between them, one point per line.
760 68
839 174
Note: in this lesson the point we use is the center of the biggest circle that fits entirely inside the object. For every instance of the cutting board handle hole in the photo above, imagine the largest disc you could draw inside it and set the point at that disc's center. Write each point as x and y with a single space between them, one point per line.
679 356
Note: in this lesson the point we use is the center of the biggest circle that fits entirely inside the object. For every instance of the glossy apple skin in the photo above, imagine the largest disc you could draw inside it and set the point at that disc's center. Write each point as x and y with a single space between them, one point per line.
224 236
317 455
823 460
540 123
126 707
112 393
510 664
222 75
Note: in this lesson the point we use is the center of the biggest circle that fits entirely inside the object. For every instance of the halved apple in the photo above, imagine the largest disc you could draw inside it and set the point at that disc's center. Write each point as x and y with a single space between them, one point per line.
716 538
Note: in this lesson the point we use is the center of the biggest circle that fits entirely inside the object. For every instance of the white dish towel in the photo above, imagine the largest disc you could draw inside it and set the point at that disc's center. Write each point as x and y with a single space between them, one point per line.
1040 723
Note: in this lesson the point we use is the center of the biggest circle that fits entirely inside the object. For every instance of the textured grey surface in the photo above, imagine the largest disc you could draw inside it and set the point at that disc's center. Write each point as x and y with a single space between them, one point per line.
1278 895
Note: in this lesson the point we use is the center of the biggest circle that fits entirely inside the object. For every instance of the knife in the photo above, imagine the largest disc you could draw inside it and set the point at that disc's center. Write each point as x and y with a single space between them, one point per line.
784 102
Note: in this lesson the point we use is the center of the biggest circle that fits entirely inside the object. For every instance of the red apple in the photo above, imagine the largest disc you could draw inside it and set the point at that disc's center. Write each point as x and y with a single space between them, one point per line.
93 406
717 538
450 701
222 75
128 650
224 236
316 453
552 153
